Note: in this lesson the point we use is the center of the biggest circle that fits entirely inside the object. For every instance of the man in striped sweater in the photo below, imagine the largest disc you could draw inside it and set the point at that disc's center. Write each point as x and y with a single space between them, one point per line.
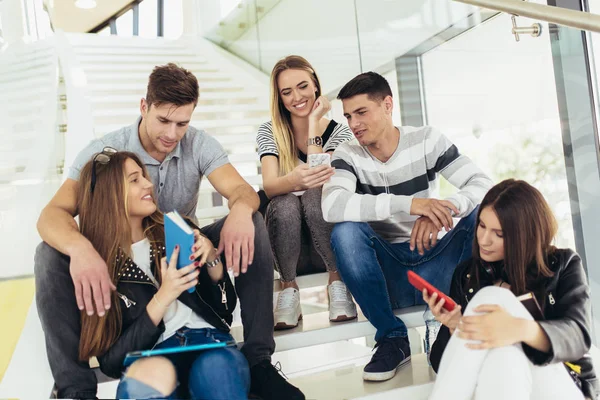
382 199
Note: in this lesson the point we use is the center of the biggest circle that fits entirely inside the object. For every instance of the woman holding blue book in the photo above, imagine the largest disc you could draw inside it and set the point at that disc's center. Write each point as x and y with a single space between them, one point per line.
151 307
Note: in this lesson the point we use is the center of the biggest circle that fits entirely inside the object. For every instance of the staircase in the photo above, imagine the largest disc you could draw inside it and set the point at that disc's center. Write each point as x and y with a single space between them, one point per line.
233 103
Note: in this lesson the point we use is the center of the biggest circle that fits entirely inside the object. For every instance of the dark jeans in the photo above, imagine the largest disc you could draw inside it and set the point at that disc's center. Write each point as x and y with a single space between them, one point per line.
297 229
209 374
375 270
60 317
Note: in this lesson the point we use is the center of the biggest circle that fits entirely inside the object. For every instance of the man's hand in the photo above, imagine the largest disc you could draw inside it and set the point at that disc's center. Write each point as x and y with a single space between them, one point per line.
438 211
91 280
424 235
237 239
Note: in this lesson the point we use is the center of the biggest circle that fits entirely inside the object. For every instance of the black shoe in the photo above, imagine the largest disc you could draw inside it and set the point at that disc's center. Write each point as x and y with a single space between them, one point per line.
391 354
268 384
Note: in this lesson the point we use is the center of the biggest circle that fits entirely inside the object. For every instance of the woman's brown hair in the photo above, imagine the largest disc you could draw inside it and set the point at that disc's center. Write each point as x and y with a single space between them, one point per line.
280 116
528 228
104 221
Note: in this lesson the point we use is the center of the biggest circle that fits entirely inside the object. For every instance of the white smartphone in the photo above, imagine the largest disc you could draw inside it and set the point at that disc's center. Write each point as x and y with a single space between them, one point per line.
314 160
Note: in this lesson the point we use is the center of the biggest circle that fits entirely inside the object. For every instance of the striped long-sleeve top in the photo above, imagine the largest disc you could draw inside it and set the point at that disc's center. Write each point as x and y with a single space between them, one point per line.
364 189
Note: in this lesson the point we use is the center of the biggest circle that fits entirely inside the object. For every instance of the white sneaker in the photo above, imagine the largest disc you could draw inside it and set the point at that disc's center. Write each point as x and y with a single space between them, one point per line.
341 306
288 311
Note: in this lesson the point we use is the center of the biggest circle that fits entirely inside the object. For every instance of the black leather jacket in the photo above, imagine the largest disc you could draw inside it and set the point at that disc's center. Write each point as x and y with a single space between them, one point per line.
138 332
565 300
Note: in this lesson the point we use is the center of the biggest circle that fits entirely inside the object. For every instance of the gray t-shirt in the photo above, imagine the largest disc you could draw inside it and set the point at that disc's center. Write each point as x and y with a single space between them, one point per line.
177 179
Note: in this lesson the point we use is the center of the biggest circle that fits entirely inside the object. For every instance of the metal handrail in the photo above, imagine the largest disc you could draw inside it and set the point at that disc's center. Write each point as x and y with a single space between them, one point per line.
556 15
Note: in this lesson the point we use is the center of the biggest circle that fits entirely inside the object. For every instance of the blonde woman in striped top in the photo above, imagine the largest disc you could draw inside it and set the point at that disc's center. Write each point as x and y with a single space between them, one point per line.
299 235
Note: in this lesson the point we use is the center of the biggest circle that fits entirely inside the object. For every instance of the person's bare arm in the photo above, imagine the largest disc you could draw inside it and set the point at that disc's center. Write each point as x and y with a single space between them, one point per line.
57 227
237 234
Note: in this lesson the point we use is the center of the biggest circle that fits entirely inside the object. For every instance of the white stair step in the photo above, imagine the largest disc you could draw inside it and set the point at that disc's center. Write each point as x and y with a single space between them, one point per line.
244 157
29 68
201 109
204 124
137 87
317 329
212 213
254 180
26 71
141 77
146 68
135 99
33 82
139 59
159 51
319 279
414 381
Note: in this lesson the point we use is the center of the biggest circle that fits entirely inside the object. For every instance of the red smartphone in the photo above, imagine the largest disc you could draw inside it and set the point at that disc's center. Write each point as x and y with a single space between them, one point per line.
421 284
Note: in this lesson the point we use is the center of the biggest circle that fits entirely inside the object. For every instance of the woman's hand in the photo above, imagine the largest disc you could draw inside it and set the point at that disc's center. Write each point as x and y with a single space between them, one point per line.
304 177
203 249
175 281
495 328
320 107
448 318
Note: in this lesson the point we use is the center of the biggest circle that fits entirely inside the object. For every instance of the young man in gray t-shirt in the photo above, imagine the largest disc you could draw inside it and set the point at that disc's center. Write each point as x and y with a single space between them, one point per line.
72 277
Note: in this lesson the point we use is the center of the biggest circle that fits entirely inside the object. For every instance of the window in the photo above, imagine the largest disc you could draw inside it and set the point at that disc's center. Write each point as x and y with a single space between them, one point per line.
495 98
125 24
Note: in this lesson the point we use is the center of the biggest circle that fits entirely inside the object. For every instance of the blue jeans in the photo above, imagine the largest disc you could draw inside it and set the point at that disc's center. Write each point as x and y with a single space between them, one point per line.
375 270
208 374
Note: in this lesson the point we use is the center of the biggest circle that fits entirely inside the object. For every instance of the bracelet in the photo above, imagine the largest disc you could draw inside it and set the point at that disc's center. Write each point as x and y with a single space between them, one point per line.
213 263
158 302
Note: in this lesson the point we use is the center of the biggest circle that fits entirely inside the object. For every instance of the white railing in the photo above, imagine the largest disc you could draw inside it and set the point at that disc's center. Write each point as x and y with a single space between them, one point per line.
556 15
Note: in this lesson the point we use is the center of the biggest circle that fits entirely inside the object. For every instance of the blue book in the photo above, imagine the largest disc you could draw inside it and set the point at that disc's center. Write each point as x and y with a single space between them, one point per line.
178 232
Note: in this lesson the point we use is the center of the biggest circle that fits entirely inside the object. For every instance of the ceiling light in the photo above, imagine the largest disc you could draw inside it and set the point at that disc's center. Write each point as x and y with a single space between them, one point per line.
85 4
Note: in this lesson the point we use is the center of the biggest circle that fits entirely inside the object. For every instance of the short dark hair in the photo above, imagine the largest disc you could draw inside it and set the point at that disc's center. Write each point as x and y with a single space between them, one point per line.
172 84
370 83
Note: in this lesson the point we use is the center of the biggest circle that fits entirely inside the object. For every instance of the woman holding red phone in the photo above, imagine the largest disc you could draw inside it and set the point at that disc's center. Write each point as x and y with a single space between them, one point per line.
496 350
299 235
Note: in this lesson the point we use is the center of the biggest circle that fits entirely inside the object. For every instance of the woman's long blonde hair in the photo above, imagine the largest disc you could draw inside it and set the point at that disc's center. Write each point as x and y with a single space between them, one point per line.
280 116
104 221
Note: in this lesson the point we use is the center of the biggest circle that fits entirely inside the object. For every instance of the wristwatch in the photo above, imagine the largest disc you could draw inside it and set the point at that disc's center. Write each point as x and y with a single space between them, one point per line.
315 141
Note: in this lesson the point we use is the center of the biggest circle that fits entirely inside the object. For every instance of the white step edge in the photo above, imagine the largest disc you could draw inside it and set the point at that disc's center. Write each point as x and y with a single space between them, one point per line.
139 58
317 329
413 381
203 124
129 50
142 76
134 98
121 87
201 109
306 281
192 66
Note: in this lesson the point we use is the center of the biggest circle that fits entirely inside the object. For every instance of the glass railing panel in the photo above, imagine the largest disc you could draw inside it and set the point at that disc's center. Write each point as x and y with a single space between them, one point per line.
323 32
238 32
496 99
388 29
